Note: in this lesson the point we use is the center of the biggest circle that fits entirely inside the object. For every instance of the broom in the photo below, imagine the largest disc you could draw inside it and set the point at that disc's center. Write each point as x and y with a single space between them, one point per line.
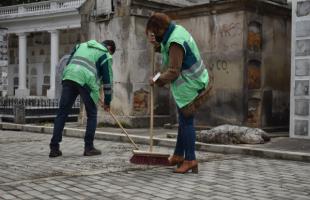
150 157
120 125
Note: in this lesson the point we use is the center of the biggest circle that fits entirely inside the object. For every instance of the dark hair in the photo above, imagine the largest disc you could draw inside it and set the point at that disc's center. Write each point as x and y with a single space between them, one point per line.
158 21
111 44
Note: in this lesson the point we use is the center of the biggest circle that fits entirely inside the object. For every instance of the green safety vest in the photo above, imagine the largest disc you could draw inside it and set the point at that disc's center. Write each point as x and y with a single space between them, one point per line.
82 66
194 76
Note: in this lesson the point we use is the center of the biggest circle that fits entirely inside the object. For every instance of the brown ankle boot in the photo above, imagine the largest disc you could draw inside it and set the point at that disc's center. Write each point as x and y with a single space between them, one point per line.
176 160
188 165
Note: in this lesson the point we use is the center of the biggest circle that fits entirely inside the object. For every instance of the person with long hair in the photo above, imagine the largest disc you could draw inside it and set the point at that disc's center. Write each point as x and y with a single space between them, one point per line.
188 77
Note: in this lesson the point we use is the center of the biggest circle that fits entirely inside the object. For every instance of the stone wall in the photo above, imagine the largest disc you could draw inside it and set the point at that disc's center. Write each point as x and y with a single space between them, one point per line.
300 70
220 40
131 65
248 53
243 42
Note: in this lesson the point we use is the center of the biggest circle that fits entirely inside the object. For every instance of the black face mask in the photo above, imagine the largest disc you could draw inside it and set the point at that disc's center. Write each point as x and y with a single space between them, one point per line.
158 39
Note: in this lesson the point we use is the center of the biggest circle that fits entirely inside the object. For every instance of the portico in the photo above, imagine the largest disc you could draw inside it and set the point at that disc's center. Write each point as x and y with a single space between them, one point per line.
39 34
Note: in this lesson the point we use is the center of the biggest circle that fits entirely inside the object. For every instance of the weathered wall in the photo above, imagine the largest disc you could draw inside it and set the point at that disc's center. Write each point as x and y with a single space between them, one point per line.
242 46
248 54
276 34
131 67
220 40
131 63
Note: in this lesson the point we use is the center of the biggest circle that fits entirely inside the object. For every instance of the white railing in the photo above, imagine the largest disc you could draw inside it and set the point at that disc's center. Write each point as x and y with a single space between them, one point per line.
31 8
43 7
8 10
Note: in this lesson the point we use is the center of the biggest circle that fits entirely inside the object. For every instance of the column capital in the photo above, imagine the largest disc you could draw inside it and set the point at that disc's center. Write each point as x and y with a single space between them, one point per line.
22 34
55 31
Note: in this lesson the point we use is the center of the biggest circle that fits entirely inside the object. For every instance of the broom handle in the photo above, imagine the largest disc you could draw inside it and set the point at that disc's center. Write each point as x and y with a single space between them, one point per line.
152 103
151 120
120 125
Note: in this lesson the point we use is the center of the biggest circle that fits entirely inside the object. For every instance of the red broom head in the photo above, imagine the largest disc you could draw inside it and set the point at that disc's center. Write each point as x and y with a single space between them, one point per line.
149 160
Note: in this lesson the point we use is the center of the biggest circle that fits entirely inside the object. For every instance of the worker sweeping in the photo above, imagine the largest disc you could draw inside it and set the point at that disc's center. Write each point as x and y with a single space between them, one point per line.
89 74
188 77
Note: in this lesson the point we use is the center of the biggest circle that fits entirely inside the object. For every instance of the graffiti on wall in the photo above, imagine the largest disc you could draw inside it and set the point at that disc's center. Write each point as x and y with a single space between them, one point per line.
230 30
220 65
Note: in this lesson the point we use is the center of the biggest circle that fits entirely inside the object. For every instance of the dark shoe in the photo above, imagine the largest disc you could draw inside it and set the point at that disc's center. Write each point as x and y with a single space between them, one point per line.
92 152
188 165
176 160
55 153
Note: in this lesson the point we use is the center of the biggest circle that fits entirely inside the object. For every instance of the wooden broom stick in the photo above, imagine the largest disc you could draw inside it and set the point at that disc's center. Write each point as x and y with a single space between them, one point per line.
152 103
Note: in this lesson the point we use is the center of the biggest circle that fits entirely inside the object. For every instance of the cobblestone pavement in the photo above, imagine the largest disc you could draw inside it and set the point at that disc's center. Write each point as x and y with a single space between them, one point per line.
26 172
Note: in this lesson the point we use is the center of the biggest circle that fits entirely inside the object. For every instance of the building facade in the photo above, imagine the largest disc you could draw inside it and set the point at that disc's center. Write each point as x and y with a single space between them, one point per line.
38 35
245 43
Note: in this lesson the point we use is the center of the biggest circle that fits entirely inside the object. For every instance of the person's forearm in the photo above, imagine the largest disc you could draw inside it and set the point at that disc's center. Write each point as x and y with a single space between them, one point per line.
101 91
175 64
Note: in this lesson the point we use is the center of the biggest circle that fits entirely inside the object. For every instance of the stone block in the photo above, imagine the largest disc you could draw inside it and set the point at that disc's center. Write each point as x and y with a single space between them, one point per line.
141 139
302 48
302 67
303 29
166 142
9 126
301 127
303 8
48 130
301 88
30 128
302 107
74 132
108 136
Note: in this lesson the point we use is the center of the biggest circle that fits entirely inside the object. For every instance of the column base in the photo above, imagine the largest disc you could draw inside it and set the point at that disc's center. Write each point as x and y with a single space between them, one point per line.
21 93
51 94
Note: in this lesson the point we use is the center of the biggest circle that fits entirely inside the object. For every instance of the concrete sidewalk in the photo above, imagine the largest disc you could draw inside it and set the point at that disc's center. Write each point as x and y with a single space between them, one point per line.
278 148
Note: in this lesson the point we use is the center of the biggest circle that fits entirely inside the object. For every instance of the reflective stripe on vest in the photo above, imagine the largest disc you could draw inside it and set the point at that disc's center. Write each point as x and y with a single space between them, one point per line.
192 73
108 92
107 86
78 60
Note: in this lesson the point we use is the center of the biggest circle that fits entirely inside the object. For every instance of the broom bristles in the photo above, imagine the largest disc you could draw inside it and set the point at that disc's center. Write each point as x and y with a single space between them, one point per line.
150 160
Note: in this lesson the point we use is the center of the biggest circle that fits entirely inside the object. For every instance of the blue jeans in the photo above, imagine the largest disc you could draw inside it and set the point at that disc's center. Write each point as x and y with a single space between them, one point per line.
186 137
70 91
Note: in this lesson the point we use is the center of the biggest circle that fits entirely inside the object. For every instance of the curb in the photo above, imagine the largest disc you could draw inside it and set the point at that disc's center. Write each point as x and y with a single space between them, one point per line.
119 137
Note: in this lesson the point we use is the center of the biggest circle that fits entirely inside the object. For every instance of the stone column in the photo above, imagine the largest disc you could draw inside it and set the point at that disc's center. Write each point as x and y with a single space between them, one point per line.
22 90
54 61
